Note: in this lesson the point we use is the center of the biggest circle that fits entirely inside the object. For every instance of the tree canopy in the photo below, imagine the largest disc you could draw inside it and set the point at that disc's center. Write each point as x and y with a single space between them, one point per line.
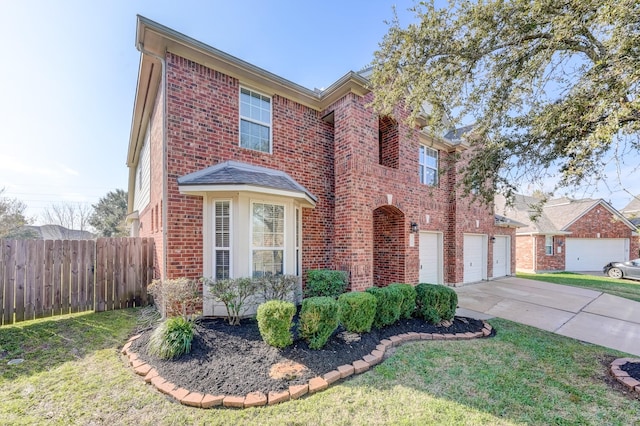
109 214
12 218
551 85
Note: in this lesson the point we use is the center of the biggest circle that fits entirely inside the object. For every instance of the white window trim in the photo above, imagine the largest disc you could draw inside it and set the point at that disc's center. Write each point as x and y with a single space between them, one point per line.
425 166
214 247
547 245
251 120
284 237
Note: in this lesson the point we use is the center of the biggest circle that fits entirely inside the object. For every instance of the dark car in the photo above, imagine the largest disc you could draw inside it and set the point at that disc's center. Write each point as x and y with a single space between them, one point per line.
629 269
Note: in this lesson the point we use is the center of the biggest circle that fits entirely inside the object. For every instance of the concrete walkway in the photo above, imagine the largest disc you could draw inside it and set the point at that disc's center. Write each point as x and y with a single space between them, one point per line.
587 315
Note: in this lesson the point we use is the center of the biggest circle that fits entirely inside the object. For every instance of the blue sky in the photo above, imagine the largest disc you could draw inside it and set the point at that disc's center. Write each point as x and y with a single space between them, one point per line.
69 75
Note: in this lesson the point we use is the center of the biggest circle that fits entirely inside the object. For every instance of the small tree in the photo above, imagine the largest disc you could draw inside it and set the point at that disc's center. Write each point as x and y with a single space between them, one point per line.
177 297
12 218
72 216
234 293
109 214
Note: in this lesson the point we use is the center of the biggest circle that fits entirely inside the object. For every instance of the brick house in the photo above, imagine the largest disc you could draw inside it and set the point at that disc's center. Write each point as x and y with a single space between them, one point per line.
236 172
568 234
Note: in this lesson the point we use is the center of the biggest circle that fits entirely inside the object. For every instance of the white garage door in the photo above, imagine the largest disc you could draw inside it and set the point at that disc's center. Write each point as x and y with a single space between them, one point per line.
501 256
591 254
430 258
474 258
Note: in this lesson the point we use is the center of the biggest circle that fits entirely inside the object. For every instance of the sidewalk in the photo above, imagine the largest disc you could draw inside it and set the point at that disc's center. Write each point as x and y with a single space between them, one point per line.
582 314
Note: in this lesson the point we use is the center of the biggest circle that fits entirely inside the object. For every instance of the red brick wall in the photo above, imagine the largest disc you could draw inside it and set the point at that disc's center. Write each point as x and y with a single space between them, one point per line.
550 262
389 148
202 130
339 163
388 246
524 252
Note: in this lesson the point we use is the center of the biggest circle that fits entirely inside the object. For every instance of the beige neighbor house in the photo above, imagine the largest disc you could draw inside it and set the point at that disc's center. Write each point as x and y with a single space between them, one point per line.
568 234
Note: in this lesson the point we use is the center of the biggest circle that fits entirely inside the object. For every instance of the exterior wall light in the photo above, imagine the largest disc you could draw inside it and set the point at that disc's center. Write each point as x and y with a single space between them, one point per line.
414 227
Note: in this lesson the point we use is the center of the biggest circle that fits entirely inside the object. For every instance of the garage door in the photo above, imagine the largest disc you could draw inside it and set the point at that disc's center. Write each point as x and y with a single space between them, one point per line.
501 256
474 258
591 254
430 258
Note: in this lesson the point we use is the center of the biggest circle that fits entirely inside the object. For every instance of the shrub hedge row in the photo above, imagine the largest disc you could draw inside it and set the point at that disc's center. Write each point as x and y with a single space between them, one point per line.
435 302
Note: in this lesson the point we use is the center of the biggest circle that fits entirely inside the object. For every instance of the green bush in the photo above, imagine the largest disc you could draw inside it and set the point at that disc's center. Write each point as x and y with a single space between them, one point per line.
388 303
319 317
171 338
277 287
435 302
325 282
275 321
357 311
235 293
408 299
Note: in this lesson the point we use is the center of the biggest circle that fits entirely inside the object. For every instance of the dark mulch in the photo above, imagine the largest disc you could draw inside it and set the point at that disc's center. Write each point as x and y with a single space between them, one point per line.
632 369
233 360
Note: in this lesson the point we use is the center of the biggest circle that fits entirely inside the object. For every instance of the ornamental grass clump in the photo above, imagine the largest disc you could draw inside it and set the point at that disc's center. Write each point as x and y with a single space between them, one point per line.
357 311
408 306
435 303
388 304
319 318
171 338
275 319
325 282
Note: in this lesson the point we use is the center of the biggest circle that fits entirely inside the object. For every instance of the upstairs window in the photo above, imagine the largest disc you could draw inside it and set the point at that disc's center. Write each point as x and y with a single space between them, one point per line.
548 244
255 121
428 159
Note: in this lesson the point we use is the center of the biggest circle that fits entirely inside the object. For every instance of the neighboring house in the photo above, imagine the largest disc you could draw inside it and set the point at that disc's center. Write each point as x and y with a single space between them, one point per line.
237 172
632 212
58 232
567 234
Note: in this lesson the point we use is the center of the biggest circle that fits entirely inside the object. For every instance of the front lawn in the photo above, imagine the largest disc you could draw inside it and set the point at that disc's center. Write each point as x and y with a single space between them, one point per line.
73 374
628 289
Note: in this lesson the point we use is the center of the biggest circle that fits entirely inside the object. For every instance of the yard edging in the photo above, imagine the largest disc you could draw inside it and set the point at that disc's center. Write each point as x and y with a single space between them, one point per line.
316 384
622 375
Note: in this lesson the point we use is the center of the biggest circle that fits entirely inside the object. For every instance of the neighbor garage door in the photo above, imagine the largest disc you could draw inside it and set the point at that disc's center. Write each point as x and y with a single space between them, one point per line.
591 254
474 258
430 258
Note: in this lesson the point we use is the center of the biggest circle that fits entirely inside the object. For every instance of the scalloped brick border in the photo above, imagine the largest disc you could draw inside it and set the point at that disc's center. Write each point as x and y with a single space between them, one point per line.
317 384
622 375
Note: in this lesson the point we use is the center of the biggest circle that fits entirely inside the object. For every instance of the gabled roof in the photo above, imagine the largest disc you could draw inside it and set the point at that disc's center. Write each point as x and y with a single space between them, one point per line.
555 216
58 232
505 222
633 208
237 176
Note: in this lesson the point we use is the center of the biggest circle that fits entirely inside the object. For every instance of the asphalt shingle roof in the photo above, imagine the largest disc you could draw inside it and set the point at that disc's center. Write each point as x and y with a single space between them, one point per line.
236 173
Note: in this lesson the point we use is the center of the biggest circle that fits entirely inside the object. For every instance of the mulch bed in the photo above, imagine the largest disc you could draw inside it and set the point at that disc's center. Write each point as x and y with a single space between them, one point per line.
233 360
632 369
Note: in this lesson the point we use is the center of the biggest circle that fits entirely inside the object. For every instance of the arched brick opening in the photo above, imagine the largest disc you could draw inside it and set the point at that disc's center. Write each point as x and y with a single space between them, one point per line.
388 246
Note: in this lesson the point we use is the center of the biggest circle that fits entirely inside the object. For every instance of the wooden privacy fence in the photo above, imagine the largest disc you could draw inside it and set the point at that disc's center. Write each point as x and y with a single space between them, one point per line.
41 278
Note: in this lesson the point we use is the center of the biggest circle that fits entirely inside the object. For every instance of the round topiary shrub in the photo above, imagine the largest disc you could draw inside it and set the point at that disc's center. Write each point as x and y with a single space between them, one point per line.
388 303
435 302
408 305
275 321
319 318
357 311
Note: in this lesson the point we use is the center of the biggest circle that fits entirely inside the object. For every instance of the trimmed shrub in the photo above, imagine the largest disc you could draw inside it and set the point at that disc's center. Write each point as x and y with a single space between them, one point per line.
171 338
325 282
408 306
275 321
357 311
277 287
180 296
319 318
388 303
235 293
435 302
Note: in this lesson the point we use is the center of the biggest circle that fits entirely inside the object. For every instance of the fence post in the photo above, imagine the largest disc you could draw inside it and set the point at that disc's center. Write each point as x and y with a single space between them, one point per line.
9 281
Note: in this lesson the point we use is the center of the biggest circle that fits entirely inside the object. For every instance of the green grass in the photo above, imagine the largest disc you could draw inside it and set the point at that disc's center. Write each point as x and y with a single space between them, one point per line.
628 289
73 374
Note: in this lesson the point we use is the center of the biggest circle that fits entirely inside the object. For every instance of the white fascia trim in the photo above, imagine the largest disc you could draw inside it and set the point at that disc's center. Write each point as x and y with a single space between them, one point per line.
201 189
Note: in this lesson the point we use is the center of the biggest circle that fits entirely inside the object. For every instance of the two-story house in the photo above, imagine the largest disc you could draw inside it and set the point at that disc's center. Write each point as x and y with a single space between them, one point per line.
236 172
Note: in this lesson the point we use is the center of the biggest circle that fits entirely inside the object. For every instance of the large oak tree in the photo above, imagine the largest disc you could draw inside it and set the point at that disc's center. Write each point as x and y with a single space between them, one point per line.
551 84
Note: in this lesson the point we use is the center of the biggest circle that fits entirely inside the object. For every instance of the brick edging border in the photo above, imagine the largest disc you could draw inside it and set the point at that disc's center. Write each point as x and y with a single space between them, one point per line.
317 384
622 375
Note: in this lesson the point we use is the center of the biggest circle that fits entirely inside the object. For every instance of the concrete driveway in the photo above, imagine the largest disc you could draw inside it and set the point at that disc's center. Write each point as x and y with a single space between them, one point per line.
587 315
